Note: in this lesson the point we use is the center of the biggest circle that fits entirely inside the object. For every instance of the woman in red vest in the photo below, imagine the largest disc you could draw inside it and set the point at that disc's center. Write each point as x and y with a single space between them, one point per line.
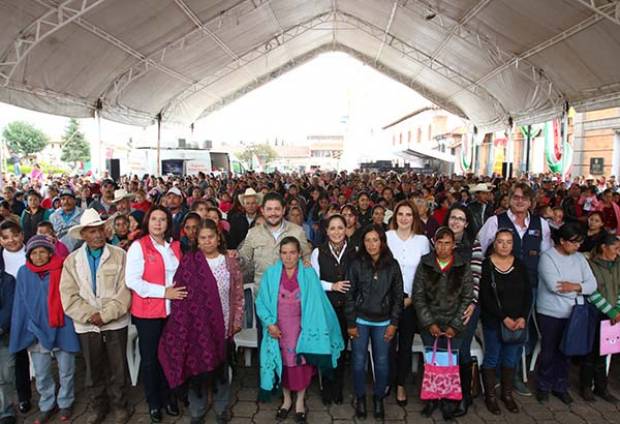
152 262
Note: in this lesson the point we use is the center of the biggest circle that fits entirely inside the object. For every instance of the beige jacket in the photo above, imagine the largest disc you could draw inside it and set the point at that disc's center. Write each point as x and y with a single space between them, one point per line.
261 250
112 298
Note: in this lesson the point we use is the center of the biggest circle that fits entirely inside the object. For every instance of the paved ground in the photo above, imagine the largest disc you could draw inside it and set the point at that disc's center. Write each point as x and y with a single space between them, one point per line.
246 410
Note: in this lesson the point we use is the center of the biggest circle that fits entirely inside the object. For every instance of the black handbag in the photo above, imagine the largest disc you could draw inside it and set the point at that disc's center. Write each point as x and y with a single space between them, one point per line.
507 335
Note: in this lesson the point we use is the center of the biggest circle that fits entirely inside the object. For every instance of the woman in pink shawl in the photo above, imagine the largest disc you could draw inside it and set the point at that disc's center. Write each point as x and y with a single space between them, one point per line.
197 341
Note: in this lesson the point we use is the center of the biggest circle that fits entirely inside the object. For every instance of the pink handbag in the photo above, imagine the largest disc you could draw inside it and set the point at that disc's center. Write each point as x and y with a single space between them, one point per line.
610 338
441 382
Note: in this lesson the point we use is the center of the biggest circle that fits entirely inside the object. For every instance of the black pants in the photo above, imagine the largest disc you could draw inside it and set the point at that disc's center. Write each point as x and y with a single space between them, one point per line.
105 355
156 387
401 347
593 368
334 383
22 376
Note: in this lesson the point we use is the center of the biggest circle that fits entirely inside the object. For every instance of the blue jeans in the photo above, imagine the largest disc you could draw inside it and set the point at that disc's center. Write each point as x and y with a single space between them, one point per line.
498 353
198 396
380 356
7 380
467 336
42 363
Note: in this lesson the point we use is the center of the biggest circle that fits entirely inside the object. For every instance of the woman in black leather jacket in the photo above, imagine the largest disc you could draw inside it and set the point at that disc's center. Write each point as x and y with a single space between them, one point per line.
373 306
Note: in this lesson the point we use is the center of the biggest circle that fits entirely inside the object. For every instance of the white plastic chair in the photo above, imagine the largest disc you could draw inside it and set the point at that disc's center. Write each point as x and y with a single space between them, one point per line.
247 337
133 354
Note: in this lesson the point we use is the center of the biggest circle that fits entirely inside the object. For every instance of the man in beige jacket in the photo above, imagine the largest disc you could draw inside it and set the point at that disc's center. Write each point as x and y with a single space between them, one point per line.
94 295
261 247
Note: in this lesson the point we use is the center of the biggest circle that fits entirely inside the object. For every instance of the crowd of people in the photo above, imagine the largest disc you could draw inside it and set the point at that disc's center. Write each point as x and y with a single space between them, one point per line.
333 258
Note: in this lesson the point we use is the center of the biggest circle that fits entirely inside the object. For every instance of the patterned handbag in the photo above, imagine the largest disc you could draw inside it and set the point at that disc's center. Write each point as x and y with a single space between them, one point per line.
610 338
440 381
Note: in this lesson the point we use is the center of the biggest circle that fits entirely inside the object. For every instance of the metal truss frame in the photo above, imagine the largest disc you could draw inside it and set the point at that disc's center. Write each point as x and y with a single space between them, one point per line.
538 73
249 56
603 10
329 47
51 21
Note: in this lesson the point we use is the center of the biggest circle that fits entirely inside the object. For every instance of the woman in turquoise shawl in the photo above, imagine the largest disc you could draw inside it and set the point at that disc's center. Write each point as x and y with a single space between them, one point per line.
300 329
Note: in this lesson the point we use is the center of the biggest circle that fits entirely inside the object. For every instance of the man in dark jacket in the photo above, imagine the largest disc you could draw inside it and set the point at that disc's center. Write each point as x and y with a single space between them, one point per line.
7 360
240 223
33 214
482 207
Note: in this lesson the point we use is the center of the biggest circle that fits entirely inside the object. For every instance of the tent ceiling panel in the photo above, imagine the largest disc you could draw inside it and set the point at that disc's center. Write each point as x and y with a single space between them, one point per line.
593 69
519 25
13 17
73 77
485 59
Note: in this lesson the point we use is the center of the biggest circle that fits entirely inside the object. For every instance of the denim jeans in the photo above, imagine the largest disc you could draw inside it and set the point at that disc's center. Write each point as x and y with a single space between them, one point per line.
42 363
467 336
496 352
380 355
7 380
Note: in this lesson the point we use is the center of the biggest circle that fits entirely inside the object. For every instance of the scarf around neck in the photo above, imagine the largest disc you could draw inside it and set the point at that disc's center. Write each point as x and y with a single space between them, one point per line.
56 315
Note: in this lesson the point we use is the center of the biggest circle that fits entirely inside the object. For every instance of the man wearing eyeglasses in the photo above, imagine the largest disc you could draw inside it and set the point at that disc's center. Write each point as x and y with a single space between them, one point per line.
532 236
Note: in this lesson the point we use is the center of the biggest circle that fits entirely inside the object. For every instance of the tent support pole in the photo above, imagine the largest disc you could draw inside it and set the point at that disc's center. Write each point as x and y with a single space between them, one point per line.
158 144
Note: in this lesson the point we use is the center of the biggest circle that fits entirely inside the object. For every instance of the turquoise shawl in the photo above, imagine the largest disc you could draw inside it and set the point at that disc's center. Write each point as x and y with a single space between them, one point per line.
320 341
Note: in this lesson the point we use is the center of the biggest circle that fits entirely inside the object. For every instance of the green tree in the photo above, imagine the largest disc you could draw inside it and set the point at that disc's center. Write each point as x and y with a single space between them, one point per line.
74 147
264 152
23 138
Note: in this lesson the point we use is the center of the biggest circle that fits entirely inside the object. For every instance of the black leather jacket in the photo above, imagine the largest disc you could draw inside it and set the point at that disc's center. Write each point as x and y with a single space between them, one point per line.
375 295
442 297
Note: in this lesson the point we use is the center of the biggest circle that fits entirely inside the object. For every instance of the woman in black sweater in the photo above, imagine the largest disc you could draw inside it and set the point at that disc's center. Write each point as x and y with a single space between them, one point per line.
510 308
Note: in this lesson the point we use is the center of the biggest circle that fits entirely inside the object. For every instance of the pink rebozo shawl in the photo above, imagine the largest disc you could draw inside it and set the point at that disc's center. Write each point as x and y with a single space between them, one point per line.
193 341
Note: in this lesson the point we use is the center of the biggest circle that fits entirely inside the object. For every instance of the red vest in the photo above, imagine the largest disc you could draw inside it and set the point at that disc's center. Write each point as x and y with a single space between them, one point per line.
155 273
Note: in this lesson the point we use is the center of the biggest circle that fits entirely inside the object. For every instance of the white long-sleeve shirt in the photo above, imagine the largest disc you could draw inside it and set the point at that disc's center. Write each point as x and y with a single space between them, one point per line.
135 269
314 261
486 235
408 254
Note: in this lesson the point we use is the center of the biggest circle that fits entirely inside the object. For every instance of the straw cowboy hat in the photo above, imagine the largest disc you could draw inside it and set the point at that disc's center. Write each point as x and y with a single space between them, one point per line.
90 218
482 187
250 192
121 194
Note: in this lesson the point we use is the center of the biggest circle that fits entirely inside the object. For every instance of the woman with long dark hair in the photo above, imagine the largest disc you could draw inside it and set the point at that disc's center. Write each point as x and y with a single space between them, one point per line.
373 307
197 343
152 262
459 220
595 233
408 244
331 261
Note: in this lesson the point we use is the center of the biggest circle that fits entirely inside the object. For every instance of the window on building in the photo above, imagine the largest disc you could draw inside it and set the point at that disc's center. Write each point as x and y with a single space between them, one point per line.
418 138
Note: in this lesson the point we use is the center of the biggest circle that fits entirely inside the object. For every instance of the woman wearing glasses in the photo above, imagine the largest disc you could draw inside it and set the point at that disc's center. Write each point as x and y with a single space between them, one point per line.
564 275
460 221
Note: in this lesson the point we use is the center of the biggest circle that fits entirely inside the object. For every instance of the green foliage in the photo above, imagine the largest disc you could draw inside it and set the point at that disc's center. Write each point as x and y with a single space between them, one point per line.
264 152
74 148
23 138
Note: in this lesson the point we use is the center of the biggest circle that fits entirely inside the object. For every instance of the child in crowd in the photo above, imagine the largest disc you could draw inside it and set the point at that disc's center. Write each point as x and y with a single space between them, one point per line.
45 228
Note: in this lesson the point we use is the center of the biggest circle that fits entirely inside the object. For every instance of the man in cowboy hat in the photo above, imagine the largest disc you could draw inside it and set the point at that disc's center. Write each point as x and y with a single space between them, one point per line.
105 206
241 222
66 217
122 201
94 295
481 207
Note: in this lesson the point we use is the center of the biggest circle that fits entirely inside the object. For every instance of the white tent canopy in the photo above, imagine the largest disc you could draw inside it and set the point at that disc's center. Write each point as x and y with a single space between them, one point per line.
137 60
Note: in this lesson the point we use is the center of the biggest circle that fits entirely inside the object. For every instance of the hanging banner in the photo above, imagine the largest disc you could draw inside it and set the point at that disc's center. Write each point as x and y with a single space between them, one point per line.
558 151
499 151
